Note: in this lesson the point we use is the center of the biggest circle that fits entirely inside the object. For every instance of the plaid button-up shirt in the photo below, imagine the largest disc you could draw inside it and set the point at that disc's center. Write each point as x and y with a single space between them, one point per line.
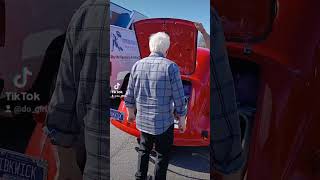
154 84
226 148
79 109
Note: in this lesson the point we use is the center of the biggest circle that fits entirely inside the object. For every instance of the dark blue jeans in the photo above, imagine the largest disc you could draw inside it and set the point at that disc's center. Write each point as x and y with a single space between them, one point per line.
163 143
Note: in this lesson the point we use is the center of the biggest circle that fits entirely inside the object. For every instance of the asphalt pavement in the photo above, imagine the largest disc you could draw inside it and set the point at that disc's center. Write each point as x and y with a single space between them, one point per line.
185 163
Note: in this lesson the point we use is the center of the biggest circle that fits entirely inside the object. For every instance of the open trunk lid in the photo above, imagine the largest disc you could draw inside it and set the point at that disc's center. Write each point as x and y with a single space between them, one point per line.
183 40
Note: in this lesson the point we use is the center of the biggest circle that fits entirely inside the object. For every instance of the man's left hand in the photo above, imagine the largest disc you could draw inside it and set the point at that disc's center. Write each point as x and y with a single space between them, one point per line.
182 123
176 116
131 115
199 27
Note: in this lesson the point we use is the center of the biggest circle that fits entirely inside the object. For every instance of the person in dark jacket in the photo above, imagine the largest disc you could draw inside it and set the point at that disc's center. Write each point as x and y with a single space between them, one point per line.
226 153
78 110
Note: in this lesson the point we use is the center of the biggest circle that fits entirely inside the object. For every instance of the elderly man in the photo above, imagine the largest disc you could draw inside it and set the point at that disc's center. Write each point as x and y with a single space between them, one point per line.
154 86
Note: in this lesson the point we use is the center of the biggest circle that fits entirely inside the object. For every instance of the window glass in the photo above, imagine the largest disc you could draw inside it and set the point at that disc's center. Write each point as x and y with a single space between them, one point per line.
121 20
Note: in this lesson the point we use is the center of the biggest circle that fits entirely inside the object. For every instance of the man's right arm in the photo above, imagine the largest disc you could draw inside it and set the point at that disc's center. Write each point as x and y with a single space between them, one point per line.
226 157
129 99
177 90
60 121
204 33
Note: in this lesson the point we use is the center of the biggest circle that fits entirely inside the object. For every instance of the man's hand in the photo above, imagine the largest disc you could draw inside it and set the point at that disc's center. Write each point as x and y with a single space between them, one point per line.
131 115
205 34
200 27
182 123
175 115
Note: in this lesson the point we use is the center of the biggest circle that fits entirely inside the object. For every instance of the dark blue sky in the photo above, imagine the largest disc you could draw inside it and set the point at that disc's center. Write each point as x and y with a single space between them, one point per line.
193 10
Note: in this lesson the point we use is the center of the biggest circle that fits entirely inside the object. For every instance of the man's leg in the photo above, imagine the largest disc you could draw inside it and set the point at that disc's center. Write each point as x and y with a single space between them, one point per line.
163 144
146 144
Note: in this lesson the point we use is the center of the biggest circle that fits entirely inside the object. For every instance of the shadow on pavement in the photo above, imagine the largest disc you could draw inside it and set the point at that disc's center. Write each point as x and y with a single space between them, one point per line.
192 158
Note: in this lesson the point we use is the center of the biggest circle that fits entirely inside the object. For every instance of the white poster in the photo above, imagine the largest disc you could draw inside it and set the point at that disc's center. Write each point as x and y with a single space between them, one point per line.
124 52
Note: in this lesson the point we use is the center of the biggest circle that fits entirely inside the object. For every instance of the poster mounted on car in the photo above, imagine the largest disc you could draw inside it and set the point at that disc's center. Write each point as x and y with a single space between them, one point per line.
123 45
124 52
17 166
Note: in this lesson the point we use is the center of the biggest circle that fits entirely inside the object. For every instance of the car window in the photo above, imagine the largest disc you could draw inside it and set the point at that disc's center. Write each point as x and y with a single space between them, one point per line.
200 41
2 22
121 20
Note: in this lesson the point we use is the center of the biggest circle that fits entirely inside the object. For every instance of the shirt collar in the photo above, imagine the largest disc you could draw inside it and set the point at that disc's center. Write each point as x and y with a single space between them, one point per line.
156 54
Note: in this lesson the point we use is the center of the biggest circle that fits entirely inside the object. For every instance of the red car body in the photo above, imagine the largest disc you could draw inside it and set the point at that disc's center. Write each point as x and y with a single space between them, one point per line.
194 64
274 52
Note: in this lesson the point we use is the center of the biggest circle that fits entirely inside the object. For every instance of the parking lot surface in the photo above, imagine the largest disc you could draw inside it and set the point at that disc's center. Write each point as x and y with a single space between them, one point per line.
185 163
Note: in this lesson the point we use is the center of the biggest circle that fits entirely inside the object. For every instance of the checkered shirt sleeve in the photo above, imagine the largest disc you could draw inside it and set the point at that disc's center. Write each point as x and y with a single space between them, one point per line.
177 90
225 144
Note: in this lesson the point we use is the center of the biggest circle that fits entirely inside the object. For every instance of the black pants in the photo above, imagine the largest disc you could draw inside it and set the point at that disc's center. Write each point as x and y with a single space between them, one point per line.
81 153
163 143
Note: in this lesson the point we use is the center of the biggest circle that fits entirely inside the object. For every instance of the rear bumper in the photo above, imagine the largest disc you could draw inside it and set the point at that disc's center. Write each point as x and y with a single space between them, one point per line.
198 124
188 138
129 128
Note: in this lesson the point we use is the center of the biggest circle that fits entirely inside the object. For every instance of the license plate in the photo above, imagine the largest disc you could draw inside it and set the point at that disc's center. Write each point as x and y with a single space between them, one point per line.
19 166
115 114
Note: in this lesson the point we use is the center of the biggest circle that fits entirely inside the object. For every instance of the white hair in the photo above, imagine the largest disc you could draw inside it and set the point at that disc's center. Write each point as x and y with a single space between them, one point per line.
159 42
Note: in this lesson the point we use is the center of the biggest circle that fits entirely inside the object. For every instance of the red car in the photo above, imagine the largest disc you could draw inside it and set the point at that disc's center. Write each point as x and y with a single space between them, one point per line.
194 64
274 52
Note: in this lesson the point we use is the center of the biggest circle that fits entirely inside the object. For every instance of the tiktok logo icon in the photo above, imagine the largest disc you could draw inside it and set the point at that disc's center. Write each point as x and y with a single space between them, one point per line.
8 109
116 87
20 80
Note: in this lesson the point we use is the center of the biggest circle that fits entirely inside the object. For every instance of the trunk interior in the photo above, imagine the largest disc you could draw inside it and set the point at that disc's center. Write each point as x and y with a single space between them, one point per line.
187 86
